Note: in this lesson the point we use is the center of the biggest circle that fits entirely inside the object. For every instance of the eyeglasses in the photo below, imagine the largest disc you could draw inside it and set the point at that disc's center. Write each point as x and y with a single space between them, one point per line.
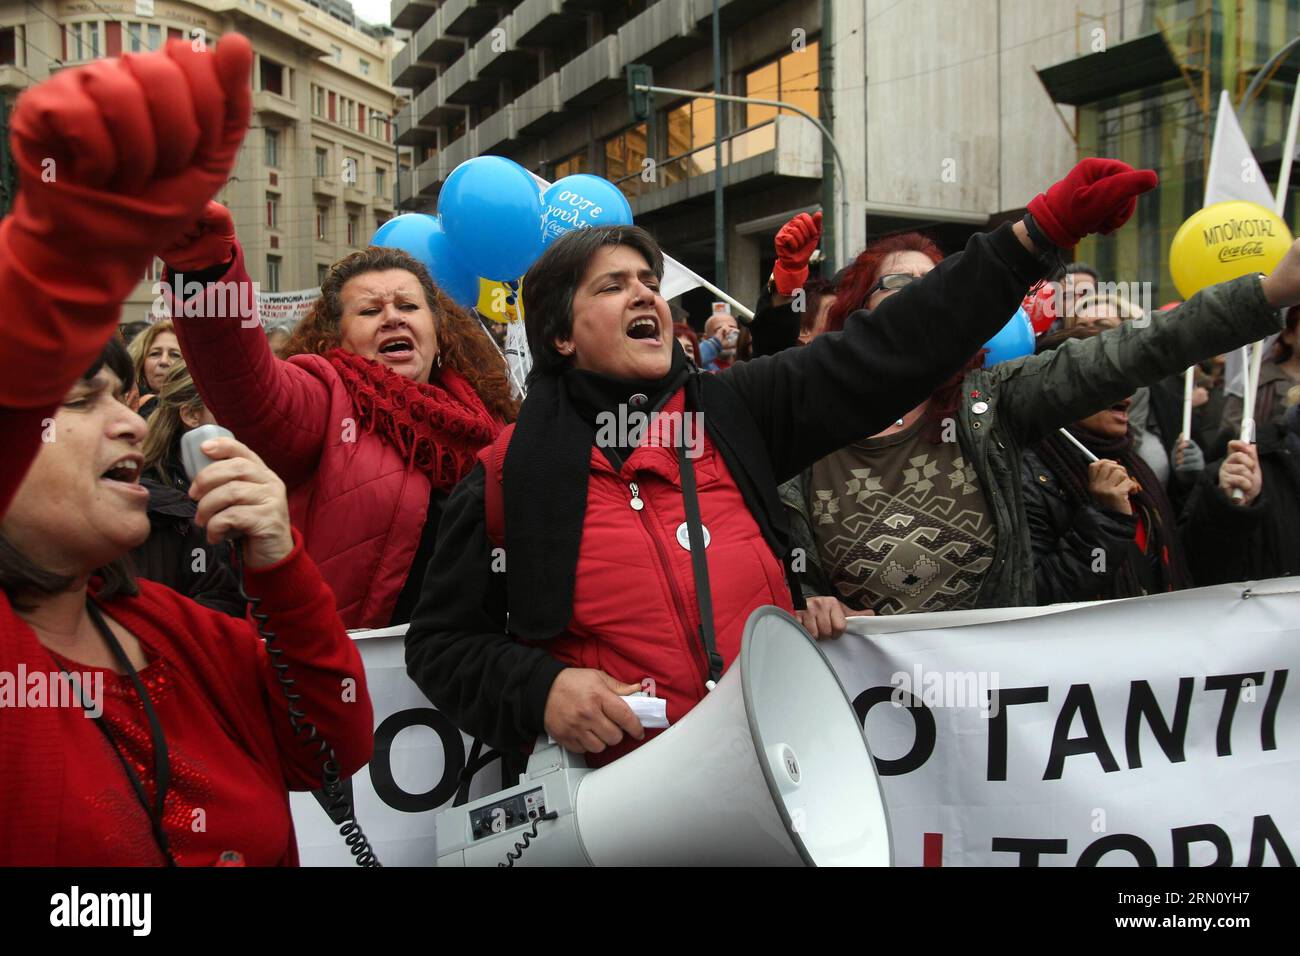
893 282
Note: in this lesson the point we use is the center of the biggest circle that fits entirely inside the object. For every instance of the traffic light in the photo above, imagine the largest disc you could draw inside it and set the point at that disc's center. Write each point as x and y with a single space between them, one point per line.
641 103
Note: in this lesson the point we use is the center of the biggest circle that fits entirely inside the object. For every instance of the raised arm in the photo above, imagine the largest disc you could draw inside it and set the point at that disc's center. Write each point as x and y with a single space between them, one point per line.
278 408
114 159
1043 392
843 386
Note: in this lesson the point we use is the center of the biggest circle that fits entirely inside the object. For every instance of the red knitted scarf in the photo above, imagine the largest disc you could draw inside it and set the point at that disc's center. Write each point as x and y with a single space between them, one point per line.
438 427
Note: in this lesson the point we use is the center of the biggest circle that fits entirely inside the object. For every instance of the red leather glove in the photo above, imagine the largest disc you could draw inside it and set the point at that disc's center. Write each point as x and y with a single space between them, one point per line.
795 244
115 159
1098 195
208 242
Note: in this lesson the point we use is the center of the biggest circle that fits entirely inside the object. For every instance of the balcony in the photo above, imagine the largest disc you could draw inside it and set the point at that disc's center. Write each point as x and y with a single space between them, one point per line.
765 156
409 14
592 76
431 106
469 18
354 194
326 186
408 131
498 55
461 84
405 189
406 70
663 33
432 45
541 109
497 129
452 156
541 22
734 13
273 104
12 80
425 180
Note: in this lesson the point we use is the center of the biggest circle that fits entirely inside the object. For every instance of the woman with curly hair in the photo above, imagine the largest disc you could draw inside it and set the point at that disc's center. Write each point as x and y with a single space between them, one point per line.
386 395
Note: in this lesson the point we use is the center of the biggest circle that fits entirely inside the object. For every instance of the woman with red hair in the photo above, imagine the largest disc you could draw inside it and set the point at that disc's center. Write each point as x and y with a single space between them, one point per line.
387 394
928 515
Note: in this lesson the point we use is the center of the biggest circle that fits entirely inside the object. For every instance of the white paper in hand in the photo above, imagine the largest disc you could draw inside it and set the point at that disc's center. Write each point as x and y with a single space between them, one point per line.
651 711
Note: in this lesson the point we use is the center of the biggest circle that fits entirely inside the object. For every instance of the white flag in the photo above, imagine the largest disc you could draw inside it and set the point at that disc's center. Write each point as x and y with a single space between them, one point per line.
1235 174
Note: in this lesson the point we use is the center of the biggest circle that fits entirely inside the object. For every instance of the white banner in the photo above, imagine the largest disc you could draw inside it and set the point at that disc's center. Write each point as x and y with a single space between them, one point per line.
1156 730
285 309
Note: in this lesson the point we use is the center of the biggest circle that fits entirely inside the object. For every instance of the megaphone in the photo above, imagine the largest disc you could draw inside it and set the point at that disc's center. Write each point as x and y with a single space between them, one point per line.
770 769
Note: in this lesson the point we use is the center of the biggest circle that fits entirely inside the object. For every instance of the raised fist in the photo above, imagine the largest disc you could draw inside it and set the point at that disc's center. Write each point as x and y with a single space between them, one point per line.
795 244
1098 195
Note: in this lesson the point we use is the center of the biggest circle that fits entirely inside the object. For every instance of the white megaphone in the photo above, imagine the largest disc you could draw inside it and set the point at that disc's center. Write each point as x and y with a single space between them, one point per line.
770 769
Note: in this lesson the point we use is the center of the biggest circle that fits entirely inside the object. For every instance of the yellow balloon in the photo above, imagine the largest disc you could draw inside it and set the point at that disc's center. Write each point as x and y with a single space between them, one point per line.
501 301
1225 241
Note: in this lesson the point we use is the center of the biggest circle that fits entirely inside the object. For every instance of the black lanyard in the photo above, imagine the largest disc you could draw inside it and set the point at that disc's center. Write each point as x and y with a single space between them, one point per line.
699 564
162 765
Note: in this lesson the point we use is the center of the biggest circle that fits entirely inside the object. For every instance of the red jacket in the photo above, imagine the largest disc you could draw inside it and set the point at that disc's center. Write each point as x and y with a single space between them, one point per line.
359 507
66 800
635 610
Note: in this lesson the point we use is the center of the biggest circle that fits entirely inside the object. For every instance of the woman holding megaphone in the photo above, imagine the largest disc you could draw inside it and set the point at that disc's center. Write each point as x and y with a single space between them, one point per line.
578 559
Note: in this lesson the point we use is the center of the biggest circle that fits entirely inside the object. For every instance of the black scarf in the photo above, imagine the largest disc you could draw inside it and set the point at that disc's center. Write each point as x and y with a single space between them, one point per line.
545 485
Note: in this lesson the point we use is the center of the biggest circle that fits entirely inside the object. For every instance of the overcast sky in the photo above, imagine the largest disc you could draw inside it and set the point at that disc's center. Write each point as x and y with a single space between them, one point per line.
372 11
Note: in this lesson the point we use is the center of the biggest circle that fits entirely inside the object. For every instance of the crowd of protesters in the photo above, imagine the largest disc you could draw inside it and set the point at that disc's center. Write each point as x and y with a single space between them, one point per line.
857 453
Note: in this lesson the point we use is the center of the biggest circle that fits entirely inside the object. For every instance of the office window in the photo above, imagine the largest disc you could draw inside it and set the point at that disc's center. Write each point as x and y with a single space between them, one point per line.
277 15
317 100
322 161
155 37
331 108
624 152
272 211
691 126
365 67
272 74
272 147
793 79
272 273
337 52
259 6
378 124
354 228
8 46
381 181
322 221
577 163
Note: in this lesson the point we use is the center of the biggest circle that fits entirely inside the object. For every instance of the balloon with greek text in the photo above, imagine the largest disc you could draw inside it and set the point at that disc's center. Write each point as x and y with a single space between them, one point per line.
1015 340
492 211
580 201
1226 241
423 237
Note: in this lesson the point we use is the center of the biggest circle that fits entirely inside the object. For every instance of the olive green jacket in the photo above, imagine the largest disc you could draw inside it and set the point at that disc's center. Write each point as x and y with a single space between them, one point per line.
1021 401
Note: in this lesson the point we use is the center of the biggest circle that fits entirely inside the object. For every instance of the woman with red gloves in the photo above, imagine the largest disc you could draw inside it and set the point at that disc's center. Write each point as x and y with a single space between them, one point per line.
389 391
608 549
794 308
928 514
173 745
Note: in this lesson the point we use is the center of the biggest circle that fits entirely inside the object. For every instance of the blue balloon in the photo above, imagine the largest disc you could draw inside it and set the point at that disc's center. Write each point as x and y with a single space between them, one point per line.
1016 340
580 201
423 237
492 212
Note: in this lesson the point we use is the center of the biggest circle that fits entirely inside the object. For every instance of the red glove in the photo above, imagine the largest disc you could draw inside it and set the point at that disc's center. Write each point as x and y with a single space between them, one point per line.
795 244
115 159
208 242
1098 195
1040 305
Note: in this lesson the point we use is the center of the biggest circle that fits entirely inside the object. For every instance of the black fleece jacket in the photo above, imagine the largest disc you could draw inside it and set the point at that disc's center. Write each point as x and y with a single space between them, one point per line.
771 417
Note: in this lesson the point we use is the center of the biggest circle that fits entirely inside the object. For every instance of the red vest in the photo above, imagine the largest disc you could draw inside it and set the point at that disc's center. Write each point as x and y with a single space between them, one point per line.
635 613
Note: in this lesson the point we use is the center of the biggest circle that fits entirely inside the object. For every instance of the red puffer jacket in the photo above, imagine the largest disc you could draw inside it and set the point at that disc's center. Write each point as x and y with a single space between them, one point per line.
635 609
359 507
